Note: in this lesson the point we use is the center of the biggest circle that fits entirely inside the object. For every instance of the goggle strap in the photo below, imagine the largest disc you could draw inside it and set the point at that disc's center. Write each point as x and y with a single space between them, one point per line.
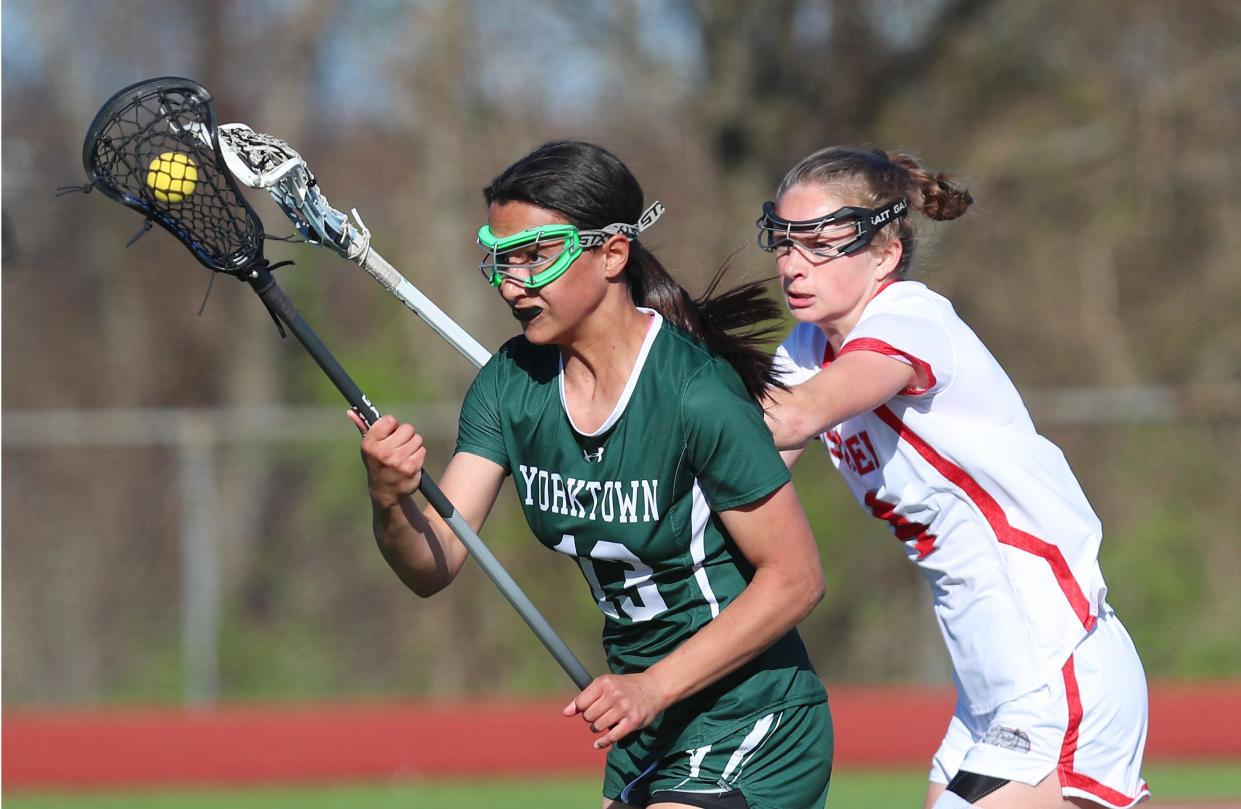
889 213
594 238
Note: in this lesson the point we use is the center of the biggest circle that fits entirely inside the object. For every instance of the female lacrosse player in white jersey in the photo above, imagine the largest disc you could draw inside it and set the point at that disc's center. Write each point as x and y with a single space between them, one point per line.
629 421
932 437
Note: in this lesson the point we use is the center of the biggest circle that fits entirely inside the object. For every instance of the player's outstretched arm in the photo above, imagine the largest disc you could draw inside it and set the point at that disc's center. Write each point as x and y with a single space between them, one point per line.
854 383
775 537
418 545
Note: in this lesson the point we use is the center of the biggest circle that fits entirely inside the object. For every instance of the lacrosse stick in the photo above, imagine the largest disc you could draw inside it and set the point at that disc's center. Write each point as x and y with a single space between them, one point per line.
268 163
152 147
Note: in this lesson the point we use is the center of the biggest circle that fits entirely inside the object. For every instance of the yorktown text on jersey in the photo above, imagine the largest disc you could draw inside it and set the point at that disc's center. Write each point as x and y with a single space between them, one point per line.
600 500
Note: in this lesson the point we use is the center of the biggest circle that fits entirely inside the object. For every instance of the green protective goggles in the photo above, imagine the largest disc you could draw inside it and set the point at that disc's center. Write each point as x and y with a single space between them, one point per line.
535 257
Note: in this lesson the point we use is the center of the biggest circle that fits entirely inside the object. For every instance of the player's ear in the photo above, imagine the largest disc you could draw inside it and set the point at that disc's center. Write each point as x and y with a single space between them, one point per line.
887 257
615 253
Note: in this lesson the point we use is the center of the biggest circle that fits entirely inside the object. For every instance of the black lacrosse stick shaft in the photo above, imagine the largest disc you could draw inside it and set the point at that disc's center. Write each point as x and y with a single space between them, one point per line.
263 283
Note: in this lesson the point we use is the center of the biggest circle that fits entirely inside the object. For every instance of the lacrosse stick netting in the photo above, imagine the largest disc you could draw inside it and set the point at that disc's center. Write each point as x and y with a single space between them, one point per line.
266 162
153 148
142 137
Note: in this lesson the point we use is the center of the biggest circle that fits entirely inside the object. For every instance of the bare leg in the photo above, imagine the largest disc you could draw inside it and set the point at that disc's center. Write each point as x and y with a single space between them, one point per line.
933 791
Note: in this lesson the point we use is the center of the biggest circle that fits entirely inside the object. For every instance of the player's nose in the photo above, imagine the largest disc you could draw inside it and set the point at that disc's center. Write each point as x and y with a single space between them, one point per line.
512 290
789 262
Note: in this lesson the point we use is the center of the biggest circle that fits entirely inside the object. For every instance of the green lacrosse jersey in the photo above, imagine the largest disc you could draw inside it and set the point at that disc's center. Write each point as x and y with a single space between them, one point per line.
634 504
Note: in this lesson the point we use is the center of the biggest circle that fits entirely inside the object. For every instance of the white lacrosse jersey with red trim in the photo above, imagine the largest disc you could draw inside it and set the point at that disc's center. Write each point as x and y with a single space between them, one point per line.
986 507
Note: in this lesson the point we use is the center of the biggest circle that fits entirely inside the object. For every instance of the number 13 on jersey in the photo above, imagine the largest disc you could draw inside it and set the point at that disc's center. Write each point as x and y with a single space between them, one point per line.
644 603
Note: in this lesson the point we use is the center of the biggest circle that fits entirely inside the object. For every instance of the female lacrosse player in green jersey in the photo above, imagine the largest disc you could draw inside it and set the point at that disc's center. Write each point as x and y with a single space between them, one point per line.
627 416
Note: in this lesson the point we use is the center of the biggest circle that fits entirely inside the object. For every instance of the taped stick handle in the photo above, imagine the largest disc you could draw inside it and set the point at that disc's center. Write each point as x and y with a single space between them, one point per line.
424 307
278 303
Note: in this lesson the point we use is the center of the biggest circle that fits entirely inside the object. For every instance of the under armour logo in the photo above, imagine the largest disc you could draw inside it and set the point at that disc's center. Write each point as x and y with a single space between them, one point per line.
593 457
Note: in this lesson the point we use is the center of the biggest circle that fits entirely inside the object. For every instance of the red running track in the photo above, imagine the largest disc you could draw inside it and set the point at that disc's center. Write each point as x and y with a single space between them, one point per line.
334 742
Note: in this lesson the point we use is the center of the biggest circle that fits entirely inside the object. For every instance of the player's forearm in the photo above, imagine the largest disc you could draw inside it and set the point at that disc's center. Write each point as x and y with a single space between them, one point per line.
420 549
855 383
774 602
792 420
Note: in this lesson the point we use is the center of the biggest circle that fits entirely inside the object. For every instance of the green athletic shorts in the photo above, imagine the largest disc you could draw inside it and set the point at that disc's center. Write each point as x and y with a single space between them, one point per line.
782 760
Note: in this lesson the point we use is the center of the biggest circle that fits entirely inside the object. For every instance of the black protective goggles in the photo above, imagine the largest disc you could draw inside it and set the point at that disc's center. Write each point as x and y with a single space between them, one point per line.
839 233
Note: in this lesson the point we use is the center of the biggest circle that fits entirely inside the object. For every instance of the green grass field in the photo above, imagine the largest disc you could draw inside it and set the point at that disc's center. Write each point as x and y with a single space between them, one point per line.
857 789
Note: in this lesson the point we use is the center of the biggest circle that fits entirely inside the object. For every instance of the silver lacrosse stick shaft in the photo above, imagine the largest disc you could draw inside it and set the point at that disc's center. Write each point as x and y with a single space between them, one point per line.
266 162
383 272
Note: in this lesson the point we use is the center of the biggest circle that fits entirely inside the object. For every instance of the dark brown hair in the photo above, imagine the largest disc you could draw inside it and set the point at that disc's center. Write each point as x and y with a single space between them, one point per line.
592 188
874 179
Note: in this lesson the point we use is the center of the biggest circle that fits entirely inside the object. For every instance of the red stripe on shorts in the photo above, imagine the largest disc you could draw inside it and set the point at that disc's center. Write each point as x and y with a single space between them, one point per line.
1068 750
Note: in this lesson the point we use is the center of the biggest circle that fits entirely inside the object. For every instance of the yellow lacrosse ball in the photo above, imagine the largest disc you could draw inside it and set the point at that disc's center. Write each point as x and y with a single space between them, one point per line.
172 176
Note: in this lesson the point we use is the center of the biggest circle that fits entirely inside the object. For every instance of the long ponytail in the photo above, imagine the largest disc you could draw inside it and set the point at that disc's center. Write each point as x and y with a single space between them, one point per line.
736 324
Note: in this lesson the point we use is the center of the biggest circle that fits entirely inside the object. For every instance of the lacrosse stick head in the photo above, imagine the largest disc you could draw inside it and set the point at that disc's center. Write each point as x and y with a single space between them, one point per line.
260 160
153 147
264 161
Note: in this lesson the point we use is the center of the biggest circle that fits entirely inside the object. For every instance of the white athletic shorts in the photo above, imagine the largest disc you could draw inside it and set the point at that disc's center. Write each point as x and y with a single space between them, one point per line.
1088 725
